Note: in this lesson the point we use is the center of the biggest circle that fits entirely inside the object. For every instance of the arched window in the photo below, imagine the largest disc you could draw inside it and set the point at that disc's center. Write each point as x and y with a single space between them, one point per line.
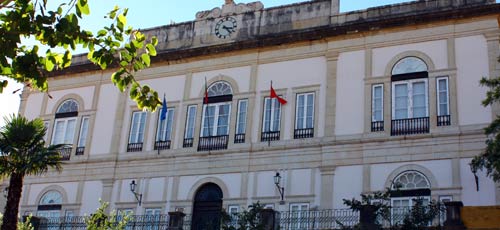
410 100
50 204
68 106
409 65
410 180
406 188
219 88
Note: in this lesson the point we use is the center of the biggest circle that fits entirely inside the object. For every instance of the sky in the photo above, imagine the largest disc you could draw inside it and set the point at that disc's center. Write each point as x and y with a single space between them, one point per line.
151 13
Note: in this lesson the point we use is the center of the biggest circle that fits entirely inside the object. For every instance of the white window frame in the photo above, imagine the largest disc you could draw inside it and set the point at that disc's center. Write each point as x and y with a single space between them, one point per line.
274 103
409 84
190 122
438 93
304 111
296 216
84 126
46 124
405 209
135 138
164 128
242 115
155 211
65 129
214 125
374 110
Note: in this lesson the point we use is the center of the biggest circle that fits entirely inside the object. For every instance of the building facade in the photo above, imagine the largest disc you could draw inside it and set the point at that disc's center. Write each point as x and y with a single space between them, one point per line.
379 98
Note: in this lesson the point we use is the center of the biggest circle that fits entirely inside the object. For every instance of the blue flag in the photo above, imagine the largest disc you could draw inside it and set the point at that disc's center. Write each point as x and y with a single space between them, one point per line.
163 112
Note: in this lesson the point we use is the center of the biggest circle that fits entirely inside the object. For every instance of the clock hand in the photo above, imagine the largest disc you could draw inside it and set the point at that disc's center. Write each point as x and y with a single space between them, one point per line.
228 29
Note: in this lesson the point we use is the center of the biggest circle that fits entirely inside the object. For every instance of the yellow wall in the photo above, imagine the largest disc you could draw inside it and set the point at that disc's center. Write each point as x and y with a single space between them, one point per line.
481 217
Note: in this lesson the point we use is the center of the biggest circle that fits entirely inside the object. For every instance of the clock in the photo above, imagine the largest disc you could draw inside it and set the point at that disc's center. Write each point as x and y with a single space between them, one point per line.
225 27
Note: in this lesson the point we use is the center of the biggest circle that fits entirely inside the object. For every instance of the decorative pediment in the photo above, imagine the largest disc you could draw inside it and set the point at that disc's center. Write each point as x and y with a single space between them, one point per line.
229 8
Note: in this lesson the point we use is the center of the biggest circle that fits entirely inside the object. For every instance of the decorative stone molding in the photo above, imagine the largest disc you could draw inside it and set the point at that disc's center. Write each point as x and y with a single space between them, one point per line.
229 8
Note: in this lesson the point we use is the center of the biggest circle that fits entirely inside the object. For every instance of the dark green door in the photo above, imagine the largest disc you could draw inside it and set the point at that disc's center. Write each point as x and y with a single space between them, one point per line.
207 208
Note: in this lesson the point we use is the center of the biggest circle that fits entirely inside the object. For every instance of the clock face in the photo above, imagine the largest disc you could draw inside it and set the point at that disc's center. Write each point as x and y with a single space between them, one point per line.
225 27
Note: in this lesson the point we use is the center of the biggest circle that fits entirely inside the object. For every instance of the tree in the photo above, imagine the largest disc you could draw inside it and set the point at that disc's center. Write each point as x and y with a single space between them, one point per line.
489 159
58 30
102 221
23 153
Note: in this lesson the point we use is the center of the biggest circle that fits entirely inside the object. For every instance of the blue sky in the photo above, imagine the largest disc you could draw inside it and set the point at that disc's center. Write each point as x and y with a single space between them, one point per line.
150 13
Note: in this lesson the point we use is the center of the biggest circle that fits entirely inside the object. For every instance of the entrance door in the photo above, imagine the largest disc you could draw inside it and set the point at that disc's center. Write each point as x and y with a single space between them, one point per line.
207 208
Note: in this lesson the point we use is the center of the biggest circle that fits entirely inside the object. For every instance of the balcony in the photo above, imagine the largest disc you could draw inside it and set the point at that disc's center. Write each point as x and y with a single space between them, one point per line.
410 126
270 136
187 143
239 138
303 133
377 126
161 145
65 153
213 143
80 150
134 147
444 120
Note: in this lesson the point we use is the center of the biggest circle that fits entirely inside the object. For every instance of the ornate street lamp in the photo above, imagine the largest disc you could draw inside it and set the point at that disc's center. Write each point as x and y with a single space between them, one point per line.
138 196
277 180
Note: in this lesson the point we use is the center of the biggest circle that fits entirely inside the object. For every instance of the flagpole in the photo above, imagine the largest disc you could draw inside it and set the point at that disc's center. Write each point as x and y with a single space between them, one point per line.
269 125
205 100
161 120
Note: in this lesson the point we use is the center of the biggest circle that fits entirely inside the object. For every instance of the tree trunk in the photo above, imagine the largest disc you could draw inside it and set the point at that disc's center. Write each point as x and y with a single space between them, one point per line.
13 198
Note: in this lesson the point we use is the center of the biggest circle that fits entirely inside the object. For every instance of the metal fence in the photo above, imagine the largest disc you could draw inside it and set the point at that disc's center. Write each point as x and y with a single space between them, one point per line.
291 220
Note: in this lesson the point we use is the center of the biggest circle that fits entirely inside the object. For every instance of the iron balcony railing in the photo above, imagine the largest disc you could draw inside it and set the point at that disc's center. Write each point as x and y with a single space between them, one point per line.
444 120
146 222
239 138
162 145
410 126
66 153
377 126
270 136
213 143
134 147
318 219
80 150
303 133
187 143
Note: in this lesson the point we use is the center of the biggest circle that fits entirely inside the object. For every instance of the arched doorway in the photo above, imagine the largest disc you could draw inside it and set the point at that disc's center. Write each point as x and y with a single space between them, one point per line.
207 207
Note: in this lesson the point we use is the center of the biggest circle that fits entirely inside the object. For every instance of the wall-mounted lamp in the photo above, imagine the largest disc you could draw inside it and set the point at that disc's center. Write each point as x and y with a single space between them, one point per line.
277 180
138 196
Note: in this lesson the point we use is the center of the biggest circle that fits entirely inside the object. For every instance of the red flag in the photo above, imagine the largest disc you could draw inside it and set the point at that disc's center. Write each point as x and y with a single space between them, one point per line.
274 95
205 100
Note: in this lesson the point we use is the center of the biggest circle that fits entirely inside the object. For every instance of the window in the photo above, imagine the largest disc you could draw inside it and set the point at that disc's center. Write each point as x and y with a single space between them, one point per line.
164 131
50 205
214 133
241 121
64 126
215 120
304 116
136 136
407 187
271 121
443 102
410 111
298 212
153 219
233 214
189 133
46 125
82 139
378 108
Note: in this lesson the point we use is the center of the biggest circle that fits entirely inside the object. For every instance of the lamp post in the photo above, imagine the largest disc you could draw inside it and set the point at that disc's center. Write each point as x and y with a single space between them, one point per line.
277 180
138 196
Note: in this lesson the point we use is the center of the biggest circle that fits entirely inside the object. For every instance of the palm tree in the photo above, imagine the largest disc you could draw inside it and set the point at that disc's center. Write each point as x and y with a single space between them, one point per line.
23 152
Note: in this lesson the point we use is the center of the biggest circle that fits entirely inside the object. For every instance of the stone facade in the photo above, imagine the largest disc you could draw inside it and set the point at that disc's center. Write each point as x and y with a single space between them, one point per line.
304 49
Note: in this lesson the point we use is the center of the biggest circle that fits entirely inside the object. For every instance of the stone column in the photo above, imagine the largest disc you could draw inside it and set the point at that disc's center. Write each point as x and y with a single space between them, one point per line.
453 216
107 189
331 92
327 178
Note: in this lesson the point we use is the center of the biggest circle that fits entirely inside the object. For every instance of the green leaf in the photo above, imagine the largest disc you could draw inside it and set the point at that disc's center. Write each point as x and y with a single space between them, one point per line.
146 59
49 63
83 7
154 40
102 33
151 49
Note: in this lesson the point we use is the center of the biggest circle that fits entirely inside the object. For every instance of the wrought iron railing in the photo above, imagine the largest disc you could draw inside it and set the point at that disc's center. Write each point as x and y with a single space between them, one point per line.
444 120
187 143
66 153
270 136
318 219
80 150
134 147
377 126
213 143
303 133
146 222
239 138
161 145
410 126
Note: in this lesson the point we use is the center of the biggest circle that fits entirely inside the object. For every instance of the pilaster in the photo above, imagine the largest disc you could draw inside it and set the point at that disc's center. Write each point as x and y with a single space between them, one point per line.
327 179
492 41
331 92
367 178
107 189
